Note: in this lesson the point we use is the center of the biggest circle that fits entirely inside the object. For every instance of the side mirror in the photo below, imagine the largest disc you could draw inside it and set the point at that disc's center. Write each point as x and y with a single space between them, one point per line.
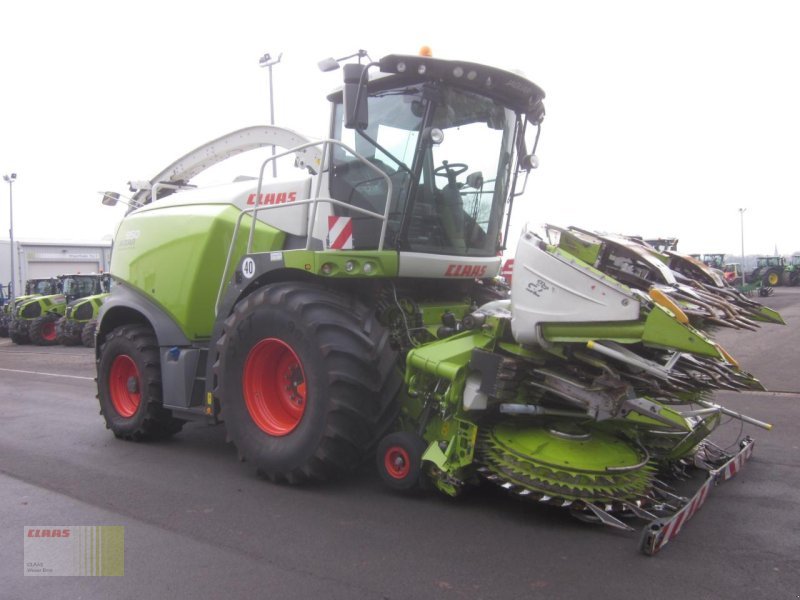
328 64
355 97
110 198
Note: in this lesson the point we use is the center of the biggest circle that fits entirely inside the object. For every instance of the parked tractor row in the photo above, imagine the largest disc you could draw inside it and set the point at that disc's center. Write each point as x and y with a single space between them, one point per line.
776 270
56 310
770 271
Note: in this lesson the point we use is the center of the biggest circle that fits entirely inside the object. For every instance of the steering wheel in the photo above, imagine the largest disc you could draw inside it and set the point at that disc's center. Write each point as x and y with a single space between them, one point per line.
450 170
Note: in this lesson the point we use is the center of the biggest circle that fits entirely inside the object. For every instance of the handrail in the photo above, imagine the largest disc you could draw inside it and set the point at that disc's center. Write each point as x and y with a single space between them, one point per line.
314 202
326 151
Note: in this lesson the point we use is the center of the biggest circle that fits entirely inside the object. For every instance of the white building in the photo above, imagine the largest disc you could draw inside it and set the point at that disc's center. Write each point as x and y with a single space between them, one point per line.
37 259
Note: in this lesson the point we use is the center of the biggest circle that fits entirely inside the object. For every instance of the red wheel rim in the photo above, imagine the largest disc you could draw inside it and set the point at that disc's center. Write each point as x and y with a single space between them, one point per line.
397 462
124 386
49 331
274 387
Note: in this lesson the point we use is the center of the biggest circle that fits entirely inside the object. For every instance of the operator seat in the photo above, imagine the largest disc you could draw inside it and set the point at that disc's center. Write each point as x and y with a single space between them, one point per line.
451 215
356 184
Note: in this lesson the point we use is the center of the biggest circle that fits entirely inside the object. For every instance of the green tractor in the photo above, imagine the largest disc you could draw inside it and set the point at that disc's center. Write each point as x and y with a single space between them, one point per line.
34 319
5 301
791 275
769 271
715 261
352 308
78 324
33 288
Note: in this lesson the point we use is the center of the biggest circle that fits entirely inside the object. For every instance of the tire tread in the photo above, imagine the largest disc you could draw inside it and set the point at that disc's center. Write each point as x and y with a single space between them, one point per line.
362 382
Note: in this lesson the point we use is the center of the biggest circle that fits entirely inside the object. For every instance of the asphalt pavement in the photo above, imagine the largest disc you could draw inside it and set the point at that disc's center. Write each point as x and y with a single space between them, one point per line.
199 524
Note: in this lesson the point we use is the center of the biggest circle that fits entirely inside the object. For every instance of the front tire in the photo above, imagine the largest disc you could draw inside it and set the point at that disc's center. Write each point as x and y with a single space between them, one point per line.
129 386
306 380
399 460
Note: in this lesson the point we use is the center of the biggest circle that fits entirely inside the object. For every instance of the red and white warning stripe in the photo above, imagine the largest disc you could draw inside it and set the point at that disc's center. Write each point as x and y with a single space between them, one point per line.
661 531
507 271
673 528
731 468
340 233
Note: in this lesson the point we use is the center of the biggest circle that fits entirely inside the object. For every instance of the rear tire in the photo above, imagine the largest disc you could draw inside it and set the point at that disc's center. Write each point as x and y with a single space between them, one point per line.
129 386
42 330
306 380
88 333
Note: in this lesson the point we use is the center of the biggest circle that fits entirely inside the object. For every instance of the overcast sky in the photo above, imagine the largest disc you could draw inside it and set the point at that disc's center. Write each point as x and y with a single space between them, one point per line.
663 118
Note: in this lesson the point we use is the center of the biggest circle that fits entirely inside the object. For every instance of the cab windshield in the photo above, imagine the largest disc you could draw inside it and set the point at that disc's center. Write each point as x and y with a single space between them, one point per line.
448 194
43 287
79 287
769 261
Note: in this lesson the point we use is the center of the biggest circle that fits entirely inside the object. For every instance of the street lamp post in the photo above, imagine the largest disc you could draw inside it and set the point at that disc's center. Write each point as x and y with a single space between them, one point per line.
10 179
741 219
267 61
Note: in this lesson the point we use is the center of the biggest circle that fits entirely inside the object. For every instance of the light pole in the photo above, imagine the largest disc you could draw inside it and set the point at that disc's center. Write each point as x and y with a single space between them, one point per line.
267 61
741 219
10 179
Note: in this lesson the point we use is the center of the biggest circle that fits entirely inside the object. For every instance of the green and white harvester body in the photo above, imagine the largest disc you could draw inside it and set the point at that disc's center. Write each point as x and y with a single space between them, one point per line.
353 309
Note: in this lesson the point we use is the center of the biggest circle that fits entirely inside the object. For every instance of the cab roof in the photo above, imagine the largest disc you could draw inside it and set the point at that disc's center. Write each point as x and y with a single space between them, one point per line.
511 90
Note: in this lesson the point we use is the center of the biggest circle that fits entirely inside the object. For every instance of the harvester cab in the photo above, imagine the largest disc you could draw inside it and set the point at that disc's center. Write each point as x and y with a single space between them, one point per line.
447 148
353 307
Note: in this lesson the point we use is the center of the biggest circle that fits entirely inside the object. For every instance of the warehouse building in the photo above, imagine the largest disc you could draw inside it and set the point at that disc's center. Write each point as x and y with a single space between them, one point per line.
37 259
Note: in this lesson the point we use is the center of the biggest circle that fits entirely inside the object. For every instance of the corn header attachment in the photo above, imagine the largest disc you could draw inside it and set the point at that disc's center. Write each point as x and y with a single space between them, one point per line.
589 388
